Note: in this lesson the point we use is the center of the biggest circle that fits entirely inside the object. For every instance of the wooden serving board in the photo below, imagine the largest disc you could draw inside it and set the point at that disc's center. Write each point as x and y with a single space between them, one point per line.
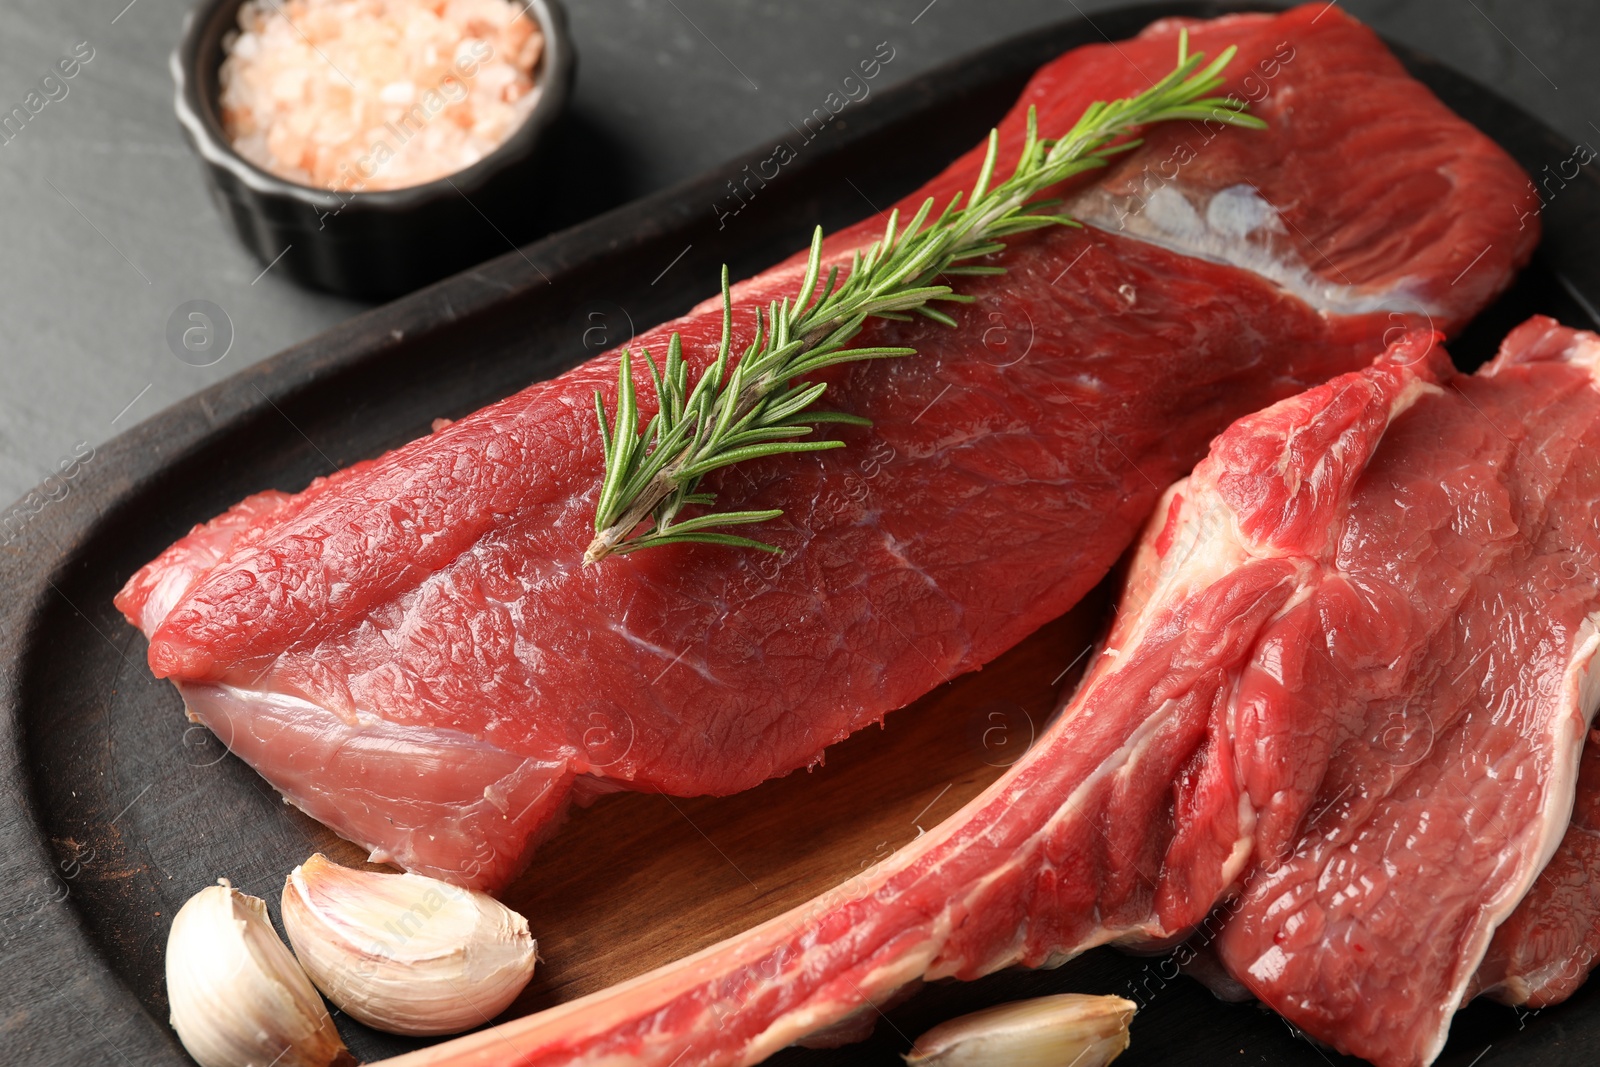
114 809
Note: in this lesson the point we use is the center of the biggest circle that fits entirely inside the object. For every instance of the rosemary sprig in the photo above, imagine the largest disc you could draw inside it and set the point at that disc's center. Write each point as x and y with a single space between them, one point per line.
760 405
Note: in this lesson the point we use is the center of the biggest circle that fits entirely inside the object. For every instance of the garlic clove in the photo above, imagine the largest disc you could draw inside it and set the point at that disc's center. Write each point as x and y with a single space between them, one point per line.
238 997
405 953
1069 1030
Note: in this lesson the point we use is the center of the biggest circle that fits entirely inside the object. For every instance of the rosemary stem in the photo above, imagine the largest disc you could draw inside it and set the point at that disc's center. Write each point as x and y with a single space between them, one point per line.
757 405
666 482
607 540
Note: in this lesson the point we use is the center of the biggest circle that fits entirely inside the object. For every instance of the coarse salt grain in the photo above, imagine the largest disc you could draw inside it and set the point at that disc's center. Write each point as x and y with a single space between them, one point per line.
358 95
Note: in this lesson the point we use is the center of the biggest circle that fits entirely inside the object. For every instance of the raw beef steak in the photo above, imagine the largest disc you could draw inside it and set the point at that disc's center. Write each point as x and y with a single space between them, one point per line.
1433 680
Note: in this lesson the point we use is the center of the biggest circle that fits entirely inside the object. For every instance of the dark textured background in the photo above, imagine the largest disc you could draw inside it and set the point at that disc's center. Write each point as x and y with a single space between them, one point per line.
105 227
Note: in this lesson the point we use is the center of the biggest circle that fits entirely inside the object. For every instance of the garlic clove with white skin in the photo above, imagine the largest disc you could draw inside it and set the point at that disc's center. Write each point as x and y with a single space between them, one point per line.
238 997
1068 1030
406 953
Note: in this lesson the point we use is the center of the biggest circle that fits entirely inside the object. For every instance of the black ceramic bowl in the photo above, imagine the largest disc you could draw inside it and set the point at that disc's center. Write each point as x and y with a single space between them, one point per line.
372 244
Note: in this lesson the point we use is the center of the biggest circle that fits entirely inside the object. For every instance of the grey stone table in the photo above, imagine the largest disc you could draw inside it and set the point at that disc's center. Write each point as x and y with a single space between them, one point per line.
105 227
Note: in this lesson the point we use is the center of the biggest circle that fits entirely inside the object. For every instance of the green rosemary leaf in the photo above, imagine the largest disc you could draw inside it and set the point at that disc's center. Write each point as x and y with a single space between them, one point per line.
721 518
621 439
838 416
988 248
740 455
758 405
731 540
851 355
1024 223
763 434
605 430
937 316
797 400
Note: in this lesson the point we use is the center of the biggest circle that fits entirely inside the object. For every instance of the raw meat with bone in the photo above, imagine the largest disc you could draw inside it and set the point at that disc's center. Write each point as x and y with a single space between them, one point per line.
1340 559
410 652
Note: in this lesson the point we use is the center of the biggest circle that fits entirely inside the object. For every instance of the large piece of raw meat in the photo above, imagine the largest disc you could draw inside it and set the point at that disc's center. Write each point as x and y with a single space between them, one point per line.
1418 707
1345 691
411 652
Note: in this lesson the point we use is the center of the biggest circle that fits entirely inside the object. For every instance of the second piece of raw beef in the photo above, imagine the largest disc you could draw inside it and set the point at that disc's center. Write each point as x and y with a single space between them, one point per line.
1422 698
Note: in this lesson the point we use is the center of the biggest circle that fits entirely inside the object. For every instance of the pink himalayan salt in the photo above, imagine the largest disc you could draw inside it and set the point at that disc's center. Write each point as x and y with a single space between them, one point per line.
376 94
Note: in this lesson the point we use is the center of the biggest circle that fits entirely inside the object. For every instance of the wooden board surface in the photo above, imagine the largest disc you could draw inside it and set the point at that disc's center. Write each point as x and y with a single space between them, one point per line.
116 809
